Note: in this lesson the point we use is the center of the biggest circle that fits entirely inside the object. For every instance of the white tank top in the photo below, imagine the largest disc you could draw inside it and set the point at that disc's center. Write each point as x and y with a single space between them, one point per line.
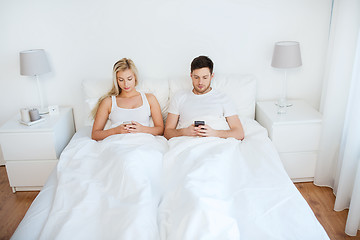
141 114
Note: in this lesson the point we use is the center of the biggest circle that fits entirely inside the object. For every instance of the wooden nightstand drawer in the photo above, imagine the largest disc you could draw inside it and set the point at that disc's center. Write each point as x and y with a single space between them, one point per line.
296 137
28 146
29 173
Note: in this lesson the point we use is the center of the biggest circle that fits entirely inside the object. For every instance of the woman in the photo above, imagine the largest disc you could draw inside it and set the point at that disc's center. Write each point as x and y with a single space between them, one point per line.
128 110
110 189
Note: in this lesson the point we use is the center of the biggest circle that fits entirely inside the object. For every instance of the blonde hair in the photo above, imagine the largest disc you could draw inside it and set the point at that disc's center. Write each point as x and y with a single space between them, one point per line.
120 65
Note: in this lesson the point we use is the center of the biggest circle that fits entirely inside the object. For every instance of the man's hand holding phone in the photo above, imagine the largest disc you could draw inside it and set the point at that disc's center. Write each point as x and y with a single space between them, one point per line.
203 130
199 123
199 127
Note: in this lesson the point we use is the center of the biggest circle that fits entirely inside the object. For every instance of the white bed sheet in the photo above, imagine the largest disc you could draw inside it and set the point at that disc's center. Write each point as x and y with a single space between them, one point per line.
100 190
227 189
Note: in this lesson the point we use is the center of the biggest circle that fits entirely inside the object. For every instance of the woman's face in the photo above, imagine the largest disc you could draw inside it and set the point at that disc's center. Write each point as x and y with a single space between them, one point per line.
126 80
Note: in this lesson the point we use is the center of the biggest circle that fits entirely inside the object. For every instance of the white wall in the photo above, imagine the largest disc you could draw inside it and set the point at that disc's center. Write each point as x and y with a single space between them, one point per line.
84 38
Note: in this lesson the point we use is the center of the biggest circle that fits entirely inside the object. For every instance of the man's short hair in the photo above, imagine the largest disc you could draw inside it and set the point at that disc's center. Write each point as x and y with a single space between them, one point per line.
202 62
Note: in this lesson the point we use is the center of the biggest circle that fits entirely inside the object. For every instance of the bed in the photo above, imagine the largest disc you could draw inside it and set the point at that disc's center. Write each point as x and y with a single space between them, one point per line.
139 186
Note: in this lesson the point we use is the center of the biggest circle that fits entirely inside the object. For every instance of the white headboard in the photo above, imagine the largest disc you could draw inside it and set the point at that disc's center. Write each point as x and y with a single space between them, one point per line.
240 88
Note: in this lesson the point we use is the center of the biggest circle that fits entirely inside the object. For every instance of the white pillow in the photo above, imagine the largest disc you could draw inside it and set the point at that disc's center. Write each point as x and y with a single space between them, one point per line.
240 88
93 89
160 88
177 83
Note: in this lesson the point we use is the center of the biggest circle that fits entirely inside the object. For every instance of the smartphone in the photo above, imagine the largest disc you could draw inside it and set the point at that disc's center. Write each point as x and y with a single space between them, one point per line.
198 123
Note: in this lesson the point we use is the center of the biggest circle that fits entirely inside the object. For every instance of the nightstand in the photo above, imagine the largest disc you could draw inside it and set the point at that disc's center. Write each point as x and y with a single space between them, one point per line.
32 152
296 136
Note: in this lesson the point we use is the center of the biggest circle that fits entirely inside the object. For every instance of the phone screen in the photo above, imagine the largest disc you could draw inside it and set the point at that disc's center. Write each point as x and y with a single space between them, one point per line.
198 123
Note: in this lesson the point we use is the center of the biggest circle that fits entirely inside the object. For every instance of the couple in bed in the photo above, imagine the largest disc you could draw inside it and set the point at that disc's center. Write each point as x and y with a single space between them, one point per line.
173 215
141 186
129 110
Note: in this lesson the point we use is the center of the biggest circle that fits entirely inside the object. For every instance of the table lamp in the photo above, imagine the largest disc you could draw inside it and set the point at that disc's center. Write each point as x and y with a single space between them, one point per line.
34 63
286 55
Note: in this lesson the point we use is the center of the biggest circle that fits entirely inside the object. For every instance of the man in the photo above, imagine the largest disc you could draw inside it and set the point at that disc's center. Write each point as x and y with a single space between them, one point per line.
202 101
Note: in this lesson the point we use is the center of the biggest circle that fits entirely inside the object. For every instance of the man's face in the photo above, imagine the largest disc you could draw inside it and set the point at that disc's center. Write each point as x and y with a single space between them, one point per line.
201 79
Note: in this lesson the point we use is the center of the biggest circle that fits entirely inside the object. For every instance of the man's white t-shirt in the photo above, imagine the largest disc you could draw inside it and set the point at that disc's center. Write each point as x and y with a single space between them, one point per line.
212 107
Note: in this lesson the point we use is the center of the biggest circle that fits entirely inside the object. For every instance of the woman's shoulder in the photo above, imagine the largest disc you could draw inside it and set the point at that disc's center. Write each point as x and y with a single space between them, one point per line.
151 98
108 98
106 101
149 95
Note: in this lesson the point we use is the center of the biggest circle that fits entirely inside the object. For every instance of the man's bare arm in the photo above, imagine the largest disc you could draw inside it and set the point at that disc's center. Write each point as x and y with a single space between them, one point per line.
236 130
171 131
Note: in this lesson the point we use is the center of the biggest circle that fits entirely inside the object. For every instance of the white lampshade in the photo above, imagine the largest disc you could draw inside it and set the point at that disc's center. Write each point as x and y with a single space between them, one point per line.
33 62
286 55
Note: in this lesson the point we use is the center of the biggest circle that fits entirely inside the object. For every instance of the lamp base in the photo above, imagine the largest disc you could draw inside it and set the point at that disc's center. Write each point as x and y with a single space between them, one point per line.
282 105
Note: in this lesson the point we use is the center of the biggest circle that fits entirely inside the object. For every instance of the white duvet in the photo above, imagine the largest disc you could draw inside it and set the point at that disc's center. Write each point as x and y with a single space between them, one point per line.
107 190
227 189
214 189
